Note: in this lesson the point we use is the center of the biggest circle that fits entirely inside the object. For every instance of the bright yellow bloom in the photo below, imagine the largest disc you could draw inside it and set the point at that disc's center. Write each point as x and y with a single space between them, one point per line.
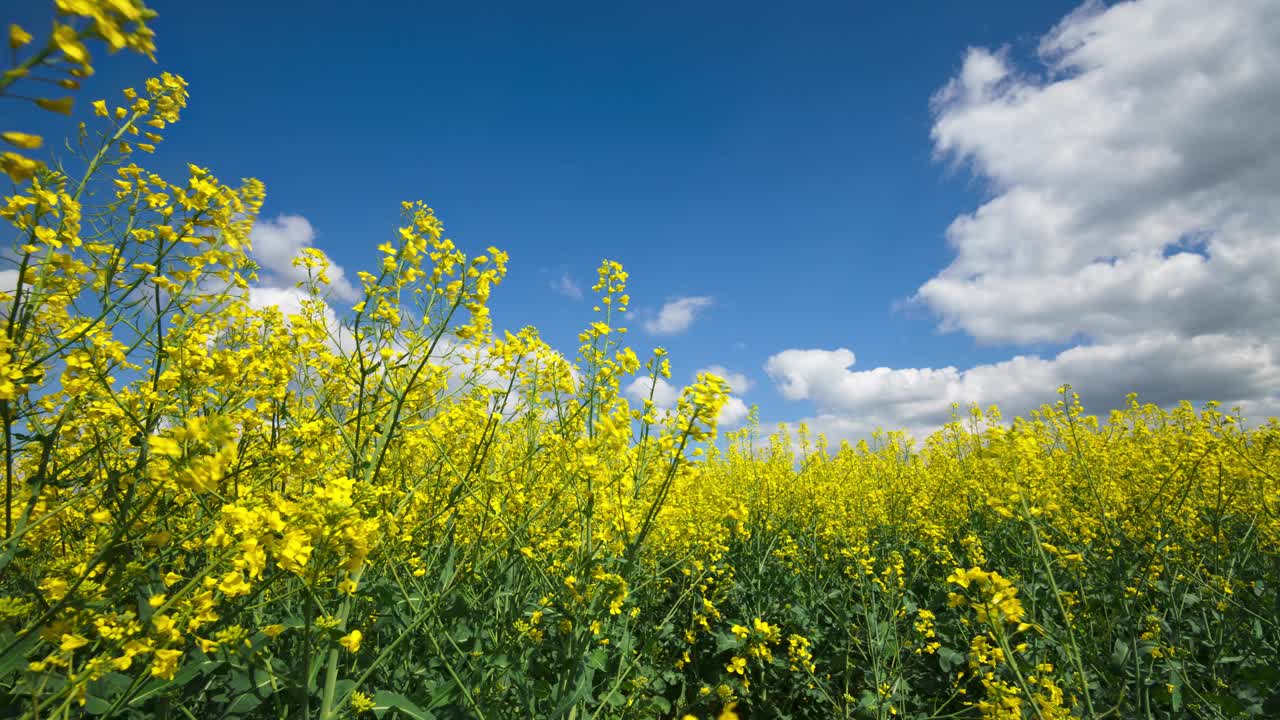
18 37
72 642
361 702
165 663
351 641
23 140
18 167
65 37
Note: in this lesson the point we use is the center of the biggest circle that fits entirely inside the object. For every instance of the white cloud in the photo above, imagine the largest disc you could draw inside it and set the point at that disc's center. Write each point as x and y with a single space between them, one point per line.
733 413
566 286
738 382
665 394
677 315
1135 178
289 301
277 242
1133 172
1208 367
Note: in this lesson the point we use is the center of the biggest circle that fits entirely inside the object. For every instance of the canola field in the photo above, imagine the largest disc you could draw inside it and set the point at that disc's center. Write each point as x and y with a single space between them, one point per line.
215 509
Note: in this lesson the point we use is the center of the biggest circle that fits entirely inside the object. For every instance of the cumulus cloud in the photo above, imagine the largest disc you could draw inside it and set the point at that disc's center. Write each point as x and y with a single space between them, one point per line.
1132 170
738 382
1207 367
735 409
677 315
277 242
565 285
666 394
733 413
1134 177
289 301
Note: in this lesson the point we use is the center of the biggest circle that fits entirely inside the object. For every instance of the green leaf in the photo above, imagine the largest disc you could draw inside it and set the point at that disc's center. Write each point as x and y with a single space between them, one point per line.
243 704
95 705
596 660
17 656
949 659
185 674
726 641
385 700
1119 653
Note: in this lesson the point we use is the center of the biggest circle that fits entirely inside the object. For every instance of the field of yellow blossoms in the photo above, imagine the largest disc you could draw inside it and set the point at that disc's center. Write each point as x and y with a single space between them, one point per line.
217 511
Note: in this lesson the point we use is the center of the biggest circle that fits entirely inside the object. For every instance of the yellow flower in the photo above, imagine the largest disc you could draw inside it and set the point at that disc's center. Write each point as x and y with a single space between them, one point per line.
18 37
165 663
72 642
234 584
737 665
65 37
272 631
132 649
23 140
165 446
728 713
17 167
166 626
361 702
351 641
54 588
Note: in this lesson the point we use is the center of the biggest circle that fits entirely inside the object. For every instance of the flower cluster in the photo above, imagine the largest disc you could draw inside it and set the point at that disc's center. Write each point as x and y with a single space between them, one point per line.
215 508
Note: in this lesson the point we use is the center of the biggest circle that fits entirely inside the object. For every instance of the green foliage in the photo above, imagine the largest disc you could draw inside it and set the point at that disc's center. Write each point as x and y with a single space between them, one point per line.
218 510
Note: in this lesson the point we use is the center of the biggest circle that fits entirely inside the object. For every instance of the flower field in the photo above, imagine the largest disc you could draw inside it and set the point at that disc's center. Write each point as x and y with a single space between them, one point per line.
216 509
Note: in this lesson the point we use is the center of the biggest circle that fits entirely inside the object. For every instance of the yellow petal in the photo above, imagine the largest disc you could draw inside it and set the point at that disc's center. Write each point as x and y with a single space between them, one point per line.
68 41
18 37
17 167
59 105
23 140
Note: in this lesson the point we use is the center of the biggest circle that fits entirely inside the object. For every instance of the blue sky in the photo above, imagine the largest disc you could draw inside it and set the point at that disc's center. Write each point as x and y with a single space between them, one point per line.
785 162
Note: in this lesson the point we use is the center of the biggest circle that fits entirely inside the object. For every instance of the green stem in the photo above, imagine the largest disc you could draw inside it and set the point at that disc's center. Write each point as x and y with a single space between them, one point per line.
1057 597
327 705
